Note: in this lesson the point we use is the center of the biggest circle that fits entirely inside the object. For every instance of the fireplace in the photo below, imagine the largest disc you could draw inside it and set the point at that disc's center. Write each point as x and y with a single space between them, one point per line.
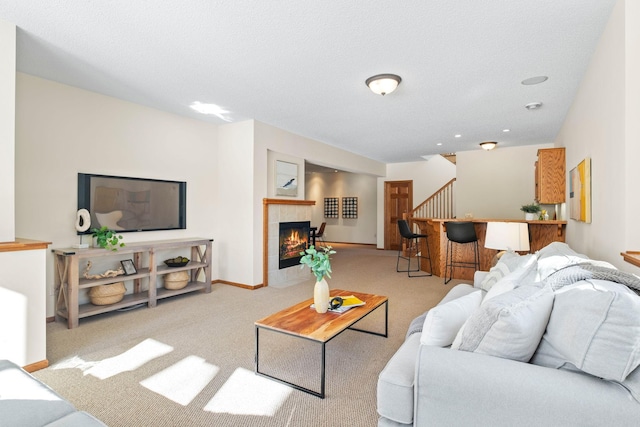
294 238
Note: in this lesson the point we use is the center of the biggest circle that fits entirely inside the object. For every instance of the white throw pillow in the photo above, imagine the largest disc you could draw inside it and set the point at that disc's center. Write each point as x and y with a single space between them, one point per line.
509 325
505 284
523 275
443 321
507 263
520 268
594 326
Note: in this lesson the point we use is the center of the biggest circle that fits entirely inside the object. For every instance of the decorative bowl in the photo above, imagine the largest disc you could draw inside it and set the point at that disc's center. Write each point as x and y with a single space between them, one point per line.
176 262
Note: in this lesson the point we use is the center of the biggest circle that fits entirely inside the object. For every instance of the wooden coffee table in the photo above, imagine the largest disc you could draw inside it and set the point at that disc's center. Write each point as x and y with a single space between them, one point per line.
304 322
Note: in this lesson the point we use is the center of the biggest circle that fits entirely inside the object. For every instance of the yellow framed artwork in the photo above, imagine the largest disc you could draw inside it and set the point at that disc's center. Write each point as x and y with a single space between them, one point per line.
580 191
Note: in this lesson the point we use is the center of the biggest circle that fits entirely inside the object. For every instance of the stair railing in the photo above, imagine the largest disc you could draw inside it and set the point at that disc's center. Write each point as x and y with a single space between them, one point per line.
439 205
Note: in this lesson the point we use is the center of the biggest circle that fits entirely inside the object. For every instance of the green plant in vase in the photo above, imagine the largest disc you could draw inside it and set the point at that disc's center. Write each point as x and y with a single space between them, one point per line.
320 264
531 210
106 238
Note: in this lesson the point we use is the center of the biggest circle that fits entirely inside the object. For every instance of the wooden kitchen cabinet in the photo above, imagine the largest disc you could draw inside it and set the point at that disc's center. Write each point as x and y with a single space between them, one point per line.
550 176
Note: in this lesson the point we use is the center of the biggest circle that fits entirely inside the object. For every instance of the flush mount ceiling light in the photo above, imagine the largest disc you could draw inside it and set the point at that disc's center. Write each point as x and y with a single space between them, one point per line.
488 145
534 80
533 105
383 84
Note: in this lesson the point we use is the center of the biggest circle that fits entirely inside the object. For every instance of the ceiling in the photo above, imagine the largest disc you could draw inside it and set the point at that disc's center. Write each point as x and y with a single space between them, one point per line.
301 65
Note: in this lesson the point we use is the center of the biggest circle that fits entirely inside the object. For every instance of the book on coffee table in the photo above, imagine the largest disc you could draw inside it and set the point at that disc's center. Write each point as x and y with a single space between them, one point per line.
351 301
348 302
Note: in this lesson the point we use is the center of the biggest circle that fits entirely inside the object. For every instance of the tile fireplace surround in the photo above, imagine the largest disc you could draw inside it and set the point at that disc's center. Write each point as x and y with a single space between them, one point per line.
276 211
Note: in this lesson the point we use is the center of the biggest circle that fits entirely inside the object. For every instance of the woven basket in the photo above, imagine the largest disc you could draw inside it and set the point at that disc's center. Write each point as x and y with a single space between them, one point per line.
176 280
107 294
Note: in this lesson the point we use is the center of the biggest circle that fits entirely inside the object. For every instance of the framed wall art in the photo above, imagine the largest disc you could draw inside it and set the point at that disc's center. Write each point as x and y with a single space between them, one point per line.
350 207
331 207
286 179
580 191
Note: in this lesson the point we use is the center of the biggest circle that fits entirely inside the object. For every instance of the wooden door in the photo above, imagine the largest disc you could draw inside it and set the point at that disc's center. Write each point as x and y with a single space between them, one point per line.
398 200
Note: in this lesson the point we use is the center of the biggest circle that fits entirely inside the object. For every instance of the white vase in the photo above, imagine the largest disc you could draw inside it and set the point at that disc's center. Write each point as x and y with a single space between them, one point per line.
530 216
321 296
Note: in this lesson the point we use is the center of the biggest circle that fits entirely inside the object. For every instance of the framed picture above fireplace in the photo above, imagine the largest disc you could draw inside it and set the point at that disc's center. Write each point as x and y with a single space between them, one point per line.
286 179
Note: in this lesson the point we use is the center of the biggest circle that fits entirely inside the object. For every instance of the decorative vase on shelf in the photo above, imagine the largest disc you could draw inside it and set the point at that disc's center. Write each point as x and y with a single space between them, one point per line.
321 296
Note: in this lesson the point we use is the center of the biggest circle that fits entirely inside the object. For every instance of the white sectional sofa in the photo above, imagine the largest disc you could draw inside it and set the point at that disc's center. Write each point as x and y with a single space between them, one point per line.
27 402
551 338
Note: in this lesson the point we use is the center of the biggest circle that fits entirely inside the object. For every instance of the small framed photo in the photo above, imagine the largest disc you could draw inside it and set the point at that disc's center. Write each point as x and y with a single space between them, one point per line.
128 266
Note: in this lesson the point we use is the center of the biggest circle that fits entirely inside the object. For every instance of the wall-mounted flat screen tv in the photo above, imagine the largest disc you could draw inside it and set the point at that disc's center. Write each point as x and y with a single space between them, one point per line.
133 204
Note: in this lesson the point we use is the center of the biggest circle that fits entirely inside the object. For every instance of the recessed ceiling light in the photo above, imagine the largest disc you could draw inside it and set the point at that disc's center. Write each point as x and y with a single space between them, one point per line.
210 109
506 130
534 80
439 143
533 105
457 136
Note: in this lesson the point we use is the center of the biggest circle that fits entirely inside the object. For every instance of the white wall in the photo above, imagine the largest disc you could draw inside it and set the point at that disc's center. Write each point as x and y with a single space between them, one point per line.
603 124
23 337
496 183
7 129
237 227
344 184
62 130
632 124
428 177
226 169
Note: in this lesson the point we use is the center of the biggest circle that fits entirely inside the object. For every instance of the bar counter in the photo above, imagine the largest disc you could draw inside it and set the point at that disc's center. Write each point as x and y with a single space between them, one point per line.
541 233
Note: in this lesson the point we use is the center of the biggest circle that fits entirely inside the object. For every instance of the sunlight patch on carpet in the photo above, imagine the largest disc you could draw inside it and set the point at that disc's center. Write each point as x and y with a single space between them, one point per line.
74 362
130 360
245 393
183 381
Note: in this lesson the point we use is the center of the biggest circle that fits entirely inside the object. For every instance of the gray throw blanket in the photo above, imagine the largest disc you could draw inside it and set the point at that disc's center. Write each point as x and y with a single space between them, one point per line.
592 270
416 324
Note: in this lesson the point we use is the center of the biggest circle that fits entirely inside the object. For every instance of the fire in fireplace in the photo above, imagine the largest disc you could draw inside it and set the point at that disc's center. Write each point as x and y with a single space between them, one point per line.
294 238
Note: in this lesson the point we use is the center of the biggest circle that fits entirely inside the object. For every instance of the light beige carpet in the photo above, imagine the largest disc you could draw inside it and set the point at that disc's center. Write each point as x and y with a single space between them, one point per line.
206 343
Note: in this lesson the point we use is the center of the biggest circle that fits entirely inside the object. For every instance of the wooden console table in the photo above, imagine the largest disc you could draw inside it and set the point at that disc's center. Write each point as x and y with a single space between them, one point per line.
68 281
541 233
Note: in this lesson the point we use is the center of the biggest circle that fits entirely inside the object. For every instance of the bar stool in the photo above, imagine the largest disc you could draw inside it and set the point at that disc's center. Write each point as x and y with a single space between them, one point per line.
461 233
412 242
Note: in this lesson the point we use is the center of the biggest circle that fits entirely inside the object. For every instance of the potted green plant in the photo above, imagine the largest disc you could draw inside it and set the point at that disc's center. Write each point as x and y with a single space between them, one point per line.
320 264
106 238
530 211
